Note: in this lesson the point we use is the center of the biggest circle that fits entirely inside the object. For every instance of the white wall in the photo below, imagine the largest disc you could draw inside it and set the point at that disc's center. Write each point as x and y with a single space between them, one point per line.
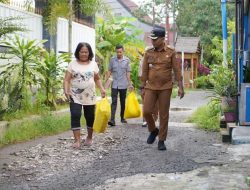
80 33
32 22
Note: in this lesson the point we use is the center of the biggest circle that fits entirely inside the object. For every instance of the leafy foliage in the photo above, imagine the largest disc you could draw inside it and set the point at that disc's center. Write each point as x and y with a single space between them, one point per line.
223 80
204 20
21 71
90 7
9 25
203 82
114 31
4 1
55 9
160 7
52 70
31 71
207 117
217 45
46 125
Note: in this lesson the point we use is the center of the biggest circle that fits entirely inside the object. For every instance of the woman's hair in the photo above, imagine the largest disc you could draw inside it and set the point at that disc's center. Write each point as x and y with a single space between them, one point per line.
79 47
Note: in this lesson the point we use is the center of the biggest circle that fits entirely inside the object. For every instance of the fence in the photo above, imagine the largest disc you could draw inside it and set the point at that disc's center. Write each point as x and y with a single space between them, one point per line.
33 22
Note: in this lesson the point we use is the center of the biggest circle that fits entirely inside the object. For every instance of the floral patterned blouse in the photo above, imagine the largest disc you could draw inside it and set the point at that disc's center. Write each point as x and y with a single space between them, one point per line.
82 82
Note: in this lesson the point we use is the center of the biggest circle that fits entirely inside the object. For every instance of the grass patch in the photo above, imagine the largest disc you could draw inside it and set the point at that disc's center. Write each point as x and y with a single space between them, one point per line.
44 126
20 114
206 117
62 106
174 93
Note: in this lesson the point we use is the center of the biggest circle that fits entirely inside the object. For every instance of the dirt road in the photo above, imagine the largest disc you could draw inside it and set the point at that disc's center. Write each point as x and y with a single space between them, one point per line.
121 159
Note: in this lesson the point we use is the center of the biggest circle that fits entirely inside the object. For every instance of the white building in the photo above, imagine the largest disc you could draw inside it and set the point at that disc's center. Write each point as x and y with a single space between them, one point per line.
126 8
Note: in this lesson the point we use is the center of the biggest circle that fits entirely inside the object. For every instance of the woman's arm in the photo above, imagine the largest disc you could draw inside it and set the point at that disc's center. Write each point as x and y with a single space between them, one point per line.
66 84
98 83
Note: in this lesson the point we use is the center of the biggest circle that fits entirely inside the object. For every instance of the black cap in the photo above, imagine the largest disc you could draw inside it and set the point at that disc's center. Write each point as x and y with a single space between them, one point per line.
157 33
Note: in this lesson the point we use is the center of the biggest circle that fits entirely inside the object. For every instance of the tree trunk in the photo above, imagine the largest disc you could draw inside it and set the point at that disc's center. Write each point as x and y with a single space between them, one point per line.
70 26
153 13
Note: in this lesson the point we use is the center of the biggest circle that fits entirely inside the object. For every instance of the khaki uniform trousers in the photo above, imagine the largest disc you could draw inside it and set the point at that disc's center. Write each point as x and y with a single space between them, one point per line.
155 112
163 98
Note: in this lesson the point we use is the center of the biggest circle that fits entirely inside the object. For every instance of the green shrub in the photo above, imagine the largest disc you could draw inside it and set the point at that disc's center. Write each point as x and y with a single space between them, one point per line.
46 125
134 75
207 117
174 92
223 80
203 82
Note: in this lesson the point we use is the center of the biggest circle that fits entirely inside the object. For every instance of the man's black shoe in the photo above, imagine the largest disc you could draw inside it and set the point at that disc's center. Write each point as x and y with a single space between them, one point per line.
161 145
111 123
124 121
152 136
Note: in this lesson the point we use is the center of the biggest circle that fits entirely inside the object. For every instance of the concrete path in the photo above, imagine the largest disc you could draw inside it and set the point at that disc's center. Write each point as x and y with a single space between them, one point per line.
232 175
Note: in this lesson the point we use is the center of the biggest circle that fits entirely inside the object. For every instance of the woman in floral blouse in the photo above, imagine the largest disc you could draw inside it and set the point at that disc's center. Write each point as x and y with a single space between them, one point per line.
80 80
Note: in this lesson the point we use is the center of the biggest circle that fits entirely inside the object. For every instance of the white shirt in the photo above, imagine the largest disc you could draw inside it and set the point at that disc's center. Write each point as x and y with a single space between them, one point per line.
82 82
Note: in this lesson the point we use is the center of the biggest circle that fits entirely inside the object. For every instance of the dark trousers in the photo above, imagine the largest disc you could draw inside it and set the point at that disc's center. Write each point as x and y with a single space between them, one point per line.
76 113
114 95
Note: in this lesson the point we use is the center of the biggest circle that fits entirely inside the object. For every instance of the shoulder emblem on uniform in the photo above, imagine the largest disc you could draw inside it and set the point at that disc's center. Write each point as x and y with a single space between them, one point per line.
172 48
150 48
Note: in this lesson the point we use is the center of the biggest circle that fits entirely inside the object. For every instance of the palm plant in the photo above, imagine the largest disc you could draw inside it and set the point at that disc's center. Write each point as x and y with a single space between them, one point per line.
52 70
54 10
23 56
8 26
10 90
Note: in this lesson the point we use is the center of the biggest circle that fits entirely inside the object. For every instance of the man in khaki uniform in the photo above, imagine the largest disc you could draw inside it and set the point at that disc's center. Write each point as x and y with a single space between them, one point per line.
157 84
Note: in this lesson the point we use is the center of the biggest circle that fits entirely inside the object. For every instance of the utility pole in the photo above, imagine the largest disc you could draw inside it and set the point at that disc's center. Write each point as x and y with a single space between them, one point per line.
167 21
174 22
70 25
224 30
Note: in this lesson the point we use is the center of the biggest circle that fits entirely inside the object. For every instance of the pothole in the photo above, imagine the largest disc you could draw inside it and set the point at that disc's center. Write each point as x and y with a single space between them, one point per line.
180 109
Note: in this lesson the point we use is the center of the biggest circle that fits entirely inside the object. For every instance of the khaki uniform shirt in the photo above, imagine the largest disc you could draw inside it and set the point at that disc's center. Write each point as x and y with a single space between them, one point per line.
157 69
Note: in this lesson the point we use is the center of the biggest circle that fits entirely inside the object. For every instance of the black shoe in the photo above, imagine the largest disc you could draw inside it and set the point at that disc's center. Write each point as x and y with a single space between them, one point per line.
152 136
111 123
124 121
144 124
161 145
